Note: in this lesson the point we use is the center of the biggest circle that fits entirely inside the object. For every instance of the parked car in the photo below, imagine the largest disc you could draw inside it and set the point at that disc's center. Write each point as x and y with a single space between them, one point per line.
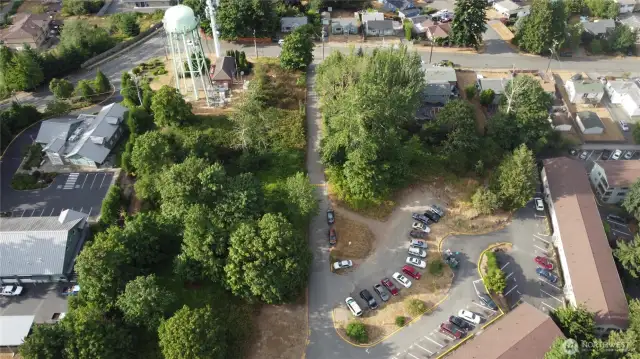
353 306
628 155
402 279
416 262
10 290
421 227
420 217
624 126
418 243
573 152
460 323
616 155
411 272
387 283
417 234
432 216
415 251
381 292
333 238
74 290
583 155
486 300
281 42
544 262
371 301
605 155
6 214
539 204
331 218
437 210
470 317
451 330
547 275
342 264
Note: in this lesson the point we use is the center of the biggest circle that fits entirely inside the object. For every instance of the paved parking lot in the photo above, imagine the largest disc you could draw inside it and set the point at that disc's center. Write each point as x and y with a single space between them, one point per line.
41 300
605 155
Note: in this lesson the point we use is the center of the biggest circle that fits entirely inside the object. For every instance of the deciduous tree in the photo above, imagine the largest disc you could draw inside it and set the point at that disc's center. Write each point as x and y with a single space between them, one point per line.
297 50
24 71
240 18
44 342
607 9
144 302
622 38
516 178
577 323
152 152
632 202
61 88
628 253
169 108
462 141
469 23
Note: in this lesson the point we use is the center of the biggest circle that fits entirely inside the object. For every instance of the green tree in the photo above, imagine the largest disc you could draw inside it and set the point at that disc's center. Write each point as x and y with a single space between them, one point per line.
84 90
577 323
607 9
469 23
240 18
44 342
558 351
415 307
80 40
128 90
169 108
622 38
101 83
628 253
575 7
408 29
485 201
574 35
24 71
544 28
139 121
495 280
632 202
486 97
61 88
57 108
357 331
111 205
471 91
461 143
81 7
126 23
193 333
152 152
270 246
516 178
297 50
144 302
300 197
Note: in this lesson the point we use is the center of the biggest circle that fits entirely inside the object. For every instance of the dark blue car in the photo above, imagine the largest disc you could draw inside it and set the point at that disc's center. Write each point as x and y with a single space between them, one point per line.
547 275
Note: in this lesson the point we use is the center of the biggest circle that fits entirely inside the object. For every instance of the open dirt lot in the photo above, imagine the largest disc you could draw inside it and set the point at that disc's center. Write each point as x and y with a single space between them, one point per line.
281 332
355 240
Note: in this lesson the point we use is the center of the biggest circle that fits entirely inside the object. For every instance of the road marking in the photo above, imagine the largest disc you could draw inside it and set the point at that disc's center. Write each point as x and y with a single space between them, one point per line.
103 177
434 342
90 209
94 179
625 233
590 154
71 181
542 249
510 290
552 308
51 214
540 238
540 234
22 215
85 180
545 282
618 223
41 213
482 306
518 292
426 350
504 266
413 356
510 274
549 294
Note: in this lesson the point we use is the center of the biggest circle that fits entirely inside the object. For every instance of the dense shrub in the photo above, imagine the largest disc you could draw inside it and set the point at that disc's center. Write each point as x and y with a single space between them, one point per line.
415 307
24 181
110 212
357 331
435 267
400 321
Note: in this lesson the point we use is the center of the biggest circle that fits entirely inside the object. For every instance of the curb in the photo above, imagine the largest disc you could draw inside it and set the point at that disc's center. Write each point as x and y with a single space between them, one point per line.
490 247
472 233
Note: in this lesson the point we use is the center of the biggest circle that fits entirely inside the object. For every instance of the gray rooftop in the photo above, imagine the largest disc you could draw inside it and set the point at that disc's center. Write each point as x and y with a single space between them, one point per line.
294 21
442 88
225 69
410 12
497 85
13 329
439 74
380 25
508 4
57 127
36 245
599 27
344 21
587 86
631 20
372 16
401 4
590 119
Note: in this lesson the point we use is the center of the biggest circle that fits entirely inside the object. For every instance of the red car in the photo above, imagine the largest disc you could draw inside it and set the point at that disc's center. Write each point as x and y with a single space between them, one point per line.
389 285
411 272
451 330
544 262
332 236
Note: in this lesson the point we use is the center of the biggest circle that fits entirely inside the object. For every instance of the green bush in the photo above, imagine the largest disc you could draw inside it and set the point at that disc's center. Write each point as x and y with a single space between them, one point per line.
435 267
427 10
24 181
301 81
415 307
110 211
485 201
357 331
33 156
486 97
471 91
400 321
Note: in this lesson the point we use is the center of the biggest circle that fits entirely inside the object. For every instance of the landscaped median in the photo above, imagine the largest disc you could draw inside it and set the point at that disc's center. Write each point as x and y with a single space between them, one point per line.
492 275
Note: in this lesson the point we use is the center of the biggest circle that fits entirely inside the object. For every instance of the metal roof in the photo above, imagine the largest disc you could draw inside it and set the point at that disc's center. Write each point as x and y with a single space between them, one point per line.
56 127
13 329
590 119
439 73
35 245
380 25
507 5
442 88
586 86
599 27
225 69
294 21
497 85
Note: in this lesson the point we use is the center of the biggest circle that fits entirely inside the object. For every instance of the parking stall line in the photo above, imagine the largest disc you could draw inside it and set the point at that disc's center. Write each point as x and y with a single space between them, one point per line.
482 306
509 275
94 180
434 342
423 348
41 213
540 238
22 215
614 222
550 295
625 233
85 180
544 250
505 266
510 290
547 305
413 356
545 282
90 209
103 177
50 214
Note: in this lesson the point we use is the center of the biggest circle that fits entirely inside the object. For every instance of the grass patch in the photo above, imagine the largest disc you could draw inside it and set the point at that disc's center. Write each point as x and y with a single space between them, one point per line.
415 307
357 331
436 267
354 239
24 181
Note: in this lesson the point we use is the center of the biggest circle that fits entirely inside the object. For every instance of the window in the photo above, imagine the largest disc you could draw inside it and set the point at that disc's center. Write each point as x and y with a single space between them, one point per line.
585 95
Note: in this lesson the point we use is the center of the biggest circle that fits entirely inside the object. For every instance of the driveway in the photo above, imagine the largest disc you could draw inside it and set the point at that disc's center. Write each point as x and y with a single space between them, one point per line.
40 300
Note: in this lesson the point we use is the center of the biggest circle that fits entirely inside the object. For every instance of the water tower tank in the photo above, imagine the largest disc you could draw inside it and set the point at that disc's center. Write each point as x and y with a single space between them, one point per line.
179 19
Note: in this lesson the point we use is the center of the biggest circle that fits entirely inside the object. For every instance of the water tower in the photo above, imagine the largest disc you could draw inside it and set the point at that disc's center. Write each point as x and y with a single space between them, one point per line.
187 55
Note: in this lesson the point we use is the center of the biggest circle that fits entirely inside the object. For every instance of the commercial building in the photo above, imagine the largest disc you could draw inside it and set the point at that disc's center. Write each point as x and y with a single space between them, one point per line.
613 179
13 330
590 274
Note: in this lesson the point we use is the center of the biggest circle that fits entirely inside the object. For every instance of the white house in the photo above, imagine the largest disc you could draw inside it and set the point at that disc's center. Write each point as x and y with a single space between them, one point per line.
612 180
379 28
13 330
584 91
507 8
288 24
625 93
589 271
367 16
625 6
589 123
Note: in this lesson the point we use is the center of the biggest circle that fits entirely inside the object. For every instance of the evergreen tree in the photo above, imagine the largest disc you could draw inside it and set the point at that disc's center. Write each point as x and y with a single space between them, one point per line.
469 23
101 83
545 27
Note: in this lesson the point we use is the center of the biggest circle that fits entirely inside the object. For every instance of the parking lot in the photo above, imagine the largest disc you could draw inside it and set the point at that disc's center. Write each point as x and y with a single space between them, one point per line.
605 155
44 301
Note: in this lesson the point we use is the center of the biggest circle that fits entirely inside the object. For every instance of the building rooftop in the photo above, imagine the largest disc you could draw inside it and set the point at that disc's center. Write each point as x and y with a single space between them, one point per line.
621 173
631 20
371 16
524 333
440 30
25 26
410 12
599 27
225 69
591 269
590 119
380 25
508 4
13 329
497 85
439 73
294 21
586 86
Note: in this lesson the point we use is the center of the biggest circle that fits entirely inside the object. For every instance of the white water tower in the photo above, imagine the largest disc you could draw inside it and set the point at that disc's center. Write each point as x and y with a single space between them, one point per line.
183 41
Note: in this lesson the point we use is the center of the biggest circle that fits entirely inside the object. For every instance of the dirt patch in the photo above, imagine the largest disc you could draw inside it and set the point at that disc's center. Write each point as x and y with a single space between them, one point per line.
381 322
502 30
281 331
355 240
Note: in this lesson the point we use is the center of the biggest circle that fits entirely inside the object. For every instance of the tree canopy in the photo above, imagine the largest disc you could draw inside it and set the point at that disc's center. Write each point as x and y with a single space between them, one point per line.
169 108
516 178
240 18
628 253
632 202
144 302
297 50
469 23
544 28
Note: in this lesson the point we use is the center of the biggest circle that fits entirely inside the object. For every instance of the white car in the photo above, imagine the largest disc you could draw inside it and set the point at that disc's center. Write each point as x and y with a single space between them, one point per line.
11 290
416 262
628 155
342 264
402 280
415 251
418 243
470 317
421 227
616 155
353 306
539 204
624 126
281 42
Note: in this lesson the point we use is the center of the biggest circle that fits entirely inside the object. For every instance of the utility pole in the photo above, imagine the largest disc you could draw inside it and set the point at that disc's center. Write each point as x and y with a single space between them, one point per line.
255 45
214 28
552 50
323 34
431 53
